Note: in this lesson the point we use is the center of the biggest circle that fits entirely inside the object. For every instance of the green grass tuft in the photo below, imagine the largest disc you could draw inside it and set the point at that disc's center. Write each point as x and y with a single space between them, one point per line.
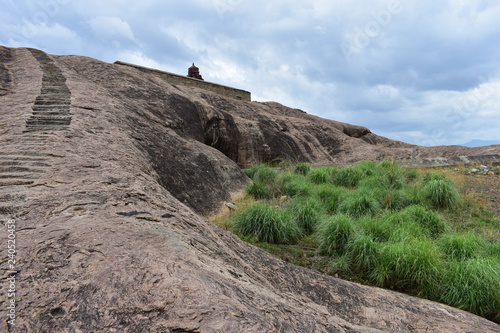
359 203
330 196
441 193
347 177
364 253
250 172
396 199
265 175
267 224
334 233
297 187
302 169
473 285
411 265
320 176
307 213
429 220
257 190
463 246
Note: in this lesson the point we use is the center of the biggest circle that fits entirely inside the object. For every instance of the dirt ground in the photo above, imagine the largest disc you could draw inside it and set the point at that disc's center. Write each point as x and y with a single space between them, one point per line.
487 187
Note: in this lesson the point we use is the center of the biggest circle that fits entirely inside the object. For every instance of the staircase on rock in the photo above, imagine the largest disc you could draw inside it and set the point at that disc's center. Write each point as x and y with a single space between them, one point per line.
23 161
51 110
19 170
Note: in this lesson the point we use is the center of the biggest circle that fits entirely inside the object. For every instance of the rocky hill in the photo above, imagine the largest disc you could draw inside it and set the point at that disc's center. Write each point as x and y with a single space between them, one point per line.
106 171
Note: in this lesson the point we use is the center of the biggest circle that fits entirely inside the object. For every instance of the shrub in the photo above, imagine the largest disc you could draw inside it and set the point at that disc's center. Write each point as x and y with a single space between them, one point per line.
359 203
320 176
348 177
334 233
473 285
427 219
364 253
330 196
462 246
267 224
302 169
441 193
412 265
307 213
257 190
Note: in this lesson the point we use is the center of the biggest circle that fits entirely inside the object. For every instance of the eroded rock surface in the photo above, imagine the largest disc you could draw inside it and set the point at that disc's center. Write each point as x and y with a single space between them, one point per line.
109 236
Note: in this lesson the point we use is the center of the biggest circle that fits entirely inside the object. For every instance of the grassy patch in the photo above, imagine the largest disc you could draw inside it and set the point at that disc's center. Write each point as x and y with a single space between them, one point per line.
267 224
415 231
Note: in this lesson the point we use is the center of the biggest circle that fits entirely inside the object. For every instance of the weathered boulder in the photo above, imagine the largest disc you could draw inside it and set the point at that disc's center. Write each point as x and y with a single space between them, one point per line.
108 232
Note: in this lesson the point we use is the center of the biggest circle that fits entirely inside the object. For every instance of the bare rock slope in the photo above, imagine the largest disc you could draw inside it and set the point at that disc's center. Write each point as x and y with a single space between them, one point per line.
106 170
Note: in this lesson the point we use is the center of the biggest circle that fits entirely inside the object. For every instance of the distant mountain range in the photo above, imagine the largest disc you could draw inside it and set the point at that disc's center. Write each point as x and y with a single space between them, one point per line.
480 143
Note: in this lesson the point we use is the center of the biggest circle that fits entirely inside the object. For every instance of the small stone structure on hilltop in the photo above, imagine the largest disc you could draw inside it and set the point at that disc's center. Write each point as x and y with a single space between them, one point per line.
194 72
194 79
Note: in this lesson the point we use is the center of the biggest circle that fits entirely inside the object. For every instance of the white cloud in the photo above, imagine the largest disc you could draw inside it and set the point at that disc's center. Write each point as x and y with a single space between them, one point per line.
405 83
111 27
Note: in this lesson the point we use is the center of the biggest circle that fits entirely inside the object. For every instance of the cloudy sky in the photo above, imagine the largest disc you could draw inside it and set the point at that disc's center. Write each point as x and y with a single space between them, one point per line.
420 71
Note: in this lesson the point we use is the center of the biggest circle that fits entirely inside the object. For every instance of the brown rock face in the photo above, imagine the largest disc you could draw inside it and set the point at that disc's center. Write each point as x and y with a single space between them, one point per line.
106 208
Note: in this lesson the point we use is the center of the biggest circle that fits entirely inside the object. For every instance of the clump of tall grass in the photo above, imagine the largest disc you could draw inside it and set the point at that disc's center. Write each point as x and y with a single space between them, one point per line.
385 164
463 246
406 232
302 169
265 175
267 224
359 203
441 193
396 199
429 220
473 285
411 265
364 253
411 175
368 168
250 172
307 213
320 175
297 187
330 196
375 182
428 177
348 177
379 228
257 190
394 175
342 263
334 233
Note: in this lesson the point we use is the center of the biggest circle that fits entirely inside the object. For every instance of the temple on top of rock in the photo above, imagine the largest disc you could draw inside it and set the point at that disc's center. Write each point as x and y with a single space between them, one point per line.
194 72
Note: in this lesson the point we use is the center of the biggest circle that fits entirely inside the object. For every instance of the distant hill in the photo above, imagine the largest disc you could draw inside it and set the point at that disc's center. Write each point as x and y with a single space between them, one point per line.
480 143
